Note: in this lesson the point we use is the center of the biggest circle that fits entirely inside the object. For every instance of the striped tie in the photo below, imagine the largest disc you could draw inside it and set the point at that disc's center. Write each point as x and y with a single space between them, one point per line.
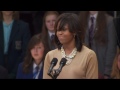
35 72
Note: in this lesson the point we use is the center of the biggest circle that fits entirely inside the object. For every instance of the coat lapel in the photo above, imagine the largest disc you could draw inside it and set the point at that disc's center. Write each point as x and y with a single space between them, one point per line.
49 42
41 73
30 74
52 45
1 36
14 31
87 32
95 30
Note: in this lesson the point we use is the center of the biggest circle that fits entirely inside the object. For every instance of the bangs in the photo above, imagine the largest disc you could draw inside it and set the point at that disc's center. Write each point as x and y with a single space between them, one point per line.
34 41
61 24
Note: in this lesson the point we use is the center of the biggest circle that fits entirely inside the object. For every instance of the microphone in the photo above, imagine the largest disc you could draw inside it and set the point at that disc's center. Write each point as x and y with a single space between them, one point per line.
53 63
62 64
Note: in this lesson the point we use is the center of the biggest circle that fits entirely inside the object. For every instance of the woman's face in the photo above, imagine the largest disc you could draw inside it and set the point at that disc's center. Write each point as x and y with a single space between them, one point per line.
119 62
64 36
50 22
37 52
7 13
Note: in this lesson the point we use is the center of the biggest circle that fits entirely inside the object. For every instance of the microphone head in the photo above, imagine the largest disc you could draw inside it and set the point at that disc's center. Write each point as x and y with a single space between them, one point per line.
63 61
54 61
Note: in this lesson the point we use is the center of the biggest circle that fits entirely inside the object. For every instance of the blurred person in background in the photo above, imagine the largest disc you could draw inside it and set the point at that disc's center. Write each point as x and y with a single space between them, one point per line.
14 37
48 31
100 36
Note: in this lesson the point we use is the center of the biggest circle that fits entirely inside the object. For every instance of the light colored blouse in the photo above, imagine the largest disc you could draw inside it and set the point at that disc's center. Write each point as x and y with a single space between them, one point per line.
83 66
7 28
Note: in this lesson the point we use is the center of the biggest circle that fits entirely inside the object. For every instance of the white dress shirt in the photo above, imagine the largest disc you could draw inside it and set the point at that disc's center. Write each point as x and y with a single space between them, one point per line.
51 33
95 18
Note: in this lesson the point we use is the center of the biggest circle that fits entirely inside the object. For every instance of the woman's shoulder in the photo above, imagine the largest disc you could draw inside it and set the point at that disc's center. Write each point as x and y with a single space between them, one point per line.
21 22
85 50
53 51
88 55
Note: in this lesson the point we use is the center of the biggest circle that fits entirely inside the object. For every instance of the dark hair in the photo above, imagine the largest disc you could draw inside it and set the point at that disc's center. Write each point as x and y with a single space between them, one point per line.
74 26
101 21
28 60
15 15
44 28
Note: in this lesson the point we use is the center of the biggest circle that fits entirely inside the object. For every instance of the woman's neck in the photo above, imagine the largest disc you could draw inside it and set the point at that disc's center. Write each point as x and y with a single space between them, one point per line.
7 19
68 48
37 62
51 31
93 12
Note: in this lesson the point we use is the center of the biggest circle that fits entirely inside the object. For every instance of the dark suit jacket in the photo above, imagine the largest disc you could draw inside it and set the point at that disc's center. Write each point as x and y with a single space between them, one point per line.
3 73
22 75
51 44
105 53
18 41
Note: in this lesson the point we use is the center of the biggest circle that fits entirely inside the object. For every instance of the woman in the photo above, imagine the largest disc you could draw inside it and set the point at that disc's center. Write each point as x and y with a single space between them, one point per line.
14 37
48 28
101 38
34 57
81 61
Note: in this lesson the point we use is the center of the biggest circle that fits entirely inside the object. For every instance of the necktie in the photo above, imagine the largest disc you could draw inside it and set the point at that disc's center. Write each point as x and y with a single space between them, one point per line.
52 37
35 72
91 31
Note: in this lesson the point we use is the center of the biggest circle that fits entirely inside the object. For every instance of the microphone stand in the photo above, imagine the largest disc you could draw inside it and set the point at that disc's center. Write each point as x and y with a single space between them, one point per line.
51 75
55 74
